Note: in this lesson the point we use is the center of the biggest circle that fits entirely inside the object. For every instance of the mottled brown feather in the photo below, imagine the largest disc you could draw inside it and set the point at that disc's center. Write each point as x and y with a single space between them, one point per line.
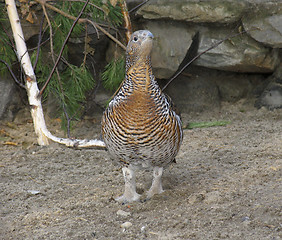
140 126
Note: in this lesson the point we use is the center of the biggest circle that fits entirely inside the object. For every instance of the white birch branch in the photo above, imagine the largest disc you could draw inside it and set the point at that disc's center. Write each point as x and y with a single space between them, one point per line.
40 128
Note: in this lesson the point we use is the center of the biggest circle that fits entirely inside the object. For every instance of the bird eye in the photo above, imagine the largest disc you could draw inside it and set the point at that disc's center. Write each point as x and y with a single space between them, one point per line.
135 39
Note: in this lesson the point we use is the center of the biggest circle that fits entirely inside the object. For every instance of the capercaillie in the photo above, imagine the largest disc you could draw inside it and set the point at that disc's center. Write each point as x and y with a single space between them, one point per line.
140 127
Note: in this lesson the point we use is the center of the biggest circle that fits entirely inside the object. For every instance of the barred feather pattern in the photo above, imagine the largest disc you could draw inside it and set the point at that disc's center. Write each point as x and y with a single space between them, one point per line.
140 127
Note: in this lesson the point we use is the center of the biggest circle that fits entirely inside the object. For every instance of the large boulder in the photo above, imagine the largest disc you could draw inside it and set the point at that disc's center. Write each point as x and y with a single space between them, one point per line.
271 97
237 54
252 52
264 24
197 11
171 43
9 100
194 91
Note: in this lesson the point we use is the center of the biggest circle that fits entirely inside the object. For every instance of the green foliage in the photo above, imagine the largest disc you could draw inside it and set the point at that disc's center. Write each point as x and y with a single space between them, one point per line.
69 89
79 81
98 10
72 84
6 51
206 124
114 74
74 81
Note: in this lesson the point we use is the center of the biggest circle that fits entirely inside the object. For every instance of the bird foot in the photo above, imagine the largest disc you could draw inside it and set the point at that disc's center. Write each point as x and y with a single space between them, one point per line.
156 187
130 194
152 192
127 199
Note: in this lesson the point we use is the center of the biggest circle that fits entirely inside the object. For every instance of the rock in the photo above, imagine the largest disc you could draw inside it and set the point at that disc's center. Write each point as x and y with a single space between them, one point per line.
123 213
239 54
215 20
126 225
197 11
235 86
9 101
267 19
271 97
195 92
213 197
33 192
169 49
31 29
201 89
133 3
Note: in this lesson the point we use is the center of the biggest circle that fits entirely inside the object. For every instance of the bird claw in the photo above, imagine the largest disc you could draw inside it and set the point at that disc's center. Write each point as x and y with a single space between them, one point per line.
151 193
127 199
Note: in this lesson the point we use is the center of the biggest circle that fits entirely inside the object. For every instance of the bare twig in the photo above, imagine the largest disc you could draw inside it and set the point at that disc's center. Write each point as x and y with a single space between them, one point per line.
85 45
106 33
68 120
12 74
39 42
138 6
127 22
51 32
63 47
52 48
11 43
200 54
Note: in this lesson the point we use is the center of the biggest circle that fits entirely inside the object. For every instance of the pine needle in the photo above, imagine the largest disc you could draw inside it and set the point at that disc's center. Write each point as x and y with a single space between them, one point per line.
113 74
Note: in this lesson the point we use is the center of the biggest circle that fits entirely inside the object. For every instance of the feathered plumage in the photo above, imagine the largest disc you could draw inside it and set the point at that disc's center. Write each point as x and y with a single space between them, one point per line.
140 127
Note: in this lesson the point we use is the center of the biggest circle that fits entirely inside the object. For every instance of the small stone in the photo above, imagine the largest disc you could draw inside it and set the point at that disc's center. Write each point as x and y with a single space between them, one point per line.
213 197
246 218
143 229
126 225
33 192
123 213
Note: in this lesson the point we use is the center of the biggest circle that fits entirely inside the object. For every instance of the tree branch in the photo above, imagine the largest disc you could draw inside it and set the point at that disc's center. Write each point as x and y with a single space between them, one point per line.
126 17
39 42
138 6
63 47
30 78
12 74
82 20
32 90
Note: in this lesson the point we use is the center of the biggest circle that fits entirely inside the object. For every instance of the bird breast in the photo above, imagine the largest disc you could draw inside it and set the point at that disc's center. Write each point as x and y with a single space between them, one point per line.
141 129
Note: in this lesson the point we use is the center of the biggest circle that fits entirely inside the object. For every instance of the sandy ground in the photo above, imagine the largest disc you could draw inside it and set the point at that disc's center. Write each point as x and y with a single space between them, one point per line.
226 184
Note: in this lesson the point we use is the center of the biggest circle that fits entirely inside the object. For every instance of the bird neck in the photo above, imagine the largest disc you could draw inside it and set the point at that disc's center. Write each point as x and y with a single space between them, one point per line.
139 74
133 61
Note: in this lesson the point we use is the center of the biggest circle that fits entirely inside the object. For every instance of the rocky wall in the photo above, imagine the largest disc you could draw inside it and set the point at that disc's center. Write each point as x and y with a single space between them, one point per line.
256 52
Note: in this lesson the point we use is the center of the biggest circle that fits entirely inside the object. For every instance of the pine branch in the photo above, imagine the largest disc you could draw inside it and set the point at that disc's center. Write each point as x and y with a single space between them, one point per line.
82 20
62 49
92 4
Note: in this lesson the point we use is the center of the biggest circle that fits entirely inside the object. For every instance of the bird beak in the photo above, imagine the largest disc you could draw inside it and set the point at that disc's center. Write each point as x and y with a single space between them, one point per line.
150 35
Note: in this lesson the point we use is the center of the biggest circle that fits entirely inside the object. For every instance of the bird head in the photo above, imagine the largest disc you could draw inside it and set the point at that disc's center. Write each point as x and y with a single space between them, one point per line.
140 45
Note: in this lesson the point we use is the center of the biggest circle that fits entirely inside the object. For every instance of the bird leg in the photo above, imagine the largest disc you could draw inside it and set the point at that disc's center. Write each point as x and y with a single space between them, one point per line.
156 187
130 193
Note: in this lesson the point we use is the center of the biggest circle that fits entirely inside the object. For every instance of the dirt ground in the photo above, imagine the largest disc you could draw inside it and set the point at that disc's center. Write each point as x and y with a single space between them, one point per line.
226 184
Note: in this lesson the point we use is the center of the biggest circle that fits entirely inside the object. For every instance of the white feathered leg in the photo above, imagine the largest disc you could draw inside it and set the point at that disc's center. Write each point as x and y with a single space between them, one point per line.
156 187
130 193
